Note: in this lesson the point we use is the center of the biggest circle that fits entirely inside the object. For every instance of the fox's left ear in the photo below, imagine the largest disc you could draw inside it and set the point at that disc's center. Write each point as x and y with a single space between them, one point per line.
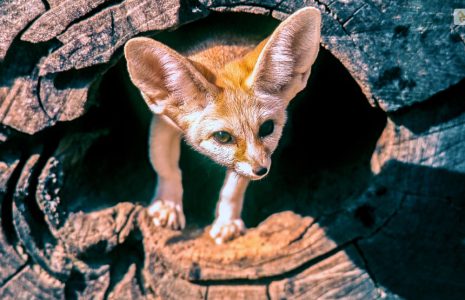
165 77
284 61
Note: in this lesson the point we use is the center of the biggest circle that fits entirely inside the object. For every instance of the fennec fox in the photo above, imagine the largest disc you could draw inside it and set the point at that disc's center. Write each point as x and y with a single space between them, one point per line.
228 101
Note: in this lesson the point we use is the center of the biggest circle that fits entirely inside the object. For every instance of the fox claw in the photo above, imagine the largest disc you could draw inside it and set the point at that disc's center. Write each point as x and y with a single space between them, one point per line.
167 214
223 231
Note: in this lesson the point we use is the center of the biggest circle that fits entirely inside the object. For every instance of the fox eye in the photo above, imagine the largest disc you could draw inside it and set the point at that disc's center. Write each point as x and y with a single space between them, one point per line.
223 137
266 129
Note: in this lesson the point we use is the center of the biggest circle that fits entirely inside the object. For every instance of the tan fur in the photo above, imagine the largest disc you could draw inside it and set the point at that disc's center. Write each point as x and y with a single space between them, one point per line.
217 85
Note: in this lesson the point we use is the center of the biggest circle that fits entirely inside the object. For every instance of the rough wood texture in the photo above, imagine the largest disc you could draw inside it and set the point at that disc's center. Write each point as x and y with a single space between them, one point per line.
56 19
384 43
335 277
72 194
15 15
11 260
32 283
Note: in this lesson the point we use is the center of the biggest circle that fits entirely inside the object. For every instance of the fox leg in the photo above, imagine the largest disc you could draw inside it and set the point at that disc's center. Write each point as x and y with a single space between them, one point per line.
228 223
166 206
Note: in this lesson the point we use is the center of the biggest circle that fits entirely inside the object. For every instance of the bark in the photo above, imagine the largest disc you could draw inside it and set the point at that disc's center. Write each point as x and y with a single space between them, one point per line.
72 194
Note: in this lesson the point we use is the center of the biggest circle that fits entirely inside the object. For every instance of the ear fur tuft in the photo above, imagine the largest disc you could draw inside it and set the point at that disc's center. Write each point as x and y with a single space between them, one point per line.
284 64
164 76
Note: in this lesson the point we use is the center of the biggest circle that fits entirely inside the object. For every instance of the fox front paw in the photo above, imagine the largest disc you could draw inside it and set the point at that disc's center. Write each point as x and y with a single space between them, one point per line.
223 231
167 214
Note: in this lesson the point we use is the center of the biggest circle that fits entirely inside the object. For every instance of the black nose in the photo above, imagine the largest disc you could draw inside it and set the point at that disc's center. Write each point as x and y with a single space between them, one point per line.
260 171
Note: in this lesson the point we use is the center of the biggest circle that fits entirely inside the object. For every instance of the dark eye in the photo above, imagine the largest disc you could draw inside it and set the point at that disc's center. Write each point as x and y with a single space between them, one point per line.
266 128
222 137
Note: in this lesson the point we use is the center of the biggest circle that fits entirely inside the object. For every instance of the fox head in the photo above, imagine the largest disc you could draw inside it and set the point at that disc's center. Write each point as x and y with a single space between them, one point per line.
235 114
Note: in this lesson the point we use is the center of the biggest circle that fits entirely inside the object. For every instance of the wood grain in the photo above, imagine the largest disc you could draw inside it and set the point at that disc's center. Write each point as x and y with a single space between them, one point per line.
70 228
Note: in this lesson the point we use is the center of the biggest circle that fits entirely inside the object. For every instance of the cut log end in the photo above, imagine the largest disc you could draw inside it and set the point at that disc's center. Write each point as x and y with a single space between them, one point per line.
372 209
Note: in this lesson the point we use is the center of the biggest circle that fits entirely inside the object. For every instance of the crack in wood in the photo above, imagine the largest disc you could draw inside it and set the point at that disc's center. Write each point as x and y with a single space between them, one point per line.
15 274
268 295
15 16
386 221
39 98
343 24
121 265
243 4
268 279
303 233
7 203
106 4
441 150
206 292
333 14
46 5
64 16
26 210
131 217
365 264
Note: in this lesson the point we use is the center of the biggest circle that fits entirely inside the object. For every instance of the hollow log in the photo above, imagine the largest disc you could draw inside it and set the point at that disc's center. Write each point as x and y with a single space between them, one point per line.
373 208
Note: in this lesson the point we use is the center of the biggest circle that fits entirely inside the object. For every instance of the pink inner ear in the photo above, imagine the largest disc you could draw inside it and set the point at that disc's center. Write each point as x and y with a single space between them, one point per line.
163 75
284 65
144 69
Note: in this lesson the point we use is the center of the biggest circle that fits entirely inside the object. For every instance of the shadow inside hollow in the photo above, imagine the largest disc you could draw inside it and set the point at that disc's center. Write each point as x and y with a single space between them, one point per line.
324 155
418 253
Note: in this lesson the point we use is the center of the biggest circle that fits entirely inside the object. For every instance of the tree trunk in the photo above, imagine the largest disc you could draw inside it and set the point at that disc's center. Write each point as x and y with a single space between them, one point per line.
374 215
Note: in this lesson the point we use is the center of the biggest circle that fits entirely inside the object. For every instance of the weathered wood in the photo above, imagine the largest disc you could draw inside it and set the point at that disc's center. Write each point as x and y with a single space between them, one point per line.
64 236
89 287
282 243
199 258
415 254
275 247
420 160
237 292
56 19
10 258
429 136
102 230
65 158
387 47
35 236
336 277
32 283
65 104
128 287
15 15
20 107
174 288
94 40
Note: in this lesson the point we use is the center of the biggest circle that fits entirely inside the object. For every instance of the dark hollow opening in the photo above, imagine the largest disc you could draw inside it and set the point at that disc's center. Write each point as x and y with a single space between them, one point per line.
323 159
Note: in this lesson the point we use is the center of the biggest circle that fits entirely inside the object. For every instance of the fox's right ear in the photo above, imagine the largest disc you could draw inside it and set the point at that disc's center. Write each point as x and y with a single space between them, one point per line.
165 77
285 59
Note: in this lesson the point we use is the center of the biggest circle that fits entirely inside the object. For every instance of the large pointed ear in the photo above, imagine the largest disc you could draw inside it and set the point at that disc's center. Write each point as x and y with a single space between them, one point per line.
164 76
283 65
